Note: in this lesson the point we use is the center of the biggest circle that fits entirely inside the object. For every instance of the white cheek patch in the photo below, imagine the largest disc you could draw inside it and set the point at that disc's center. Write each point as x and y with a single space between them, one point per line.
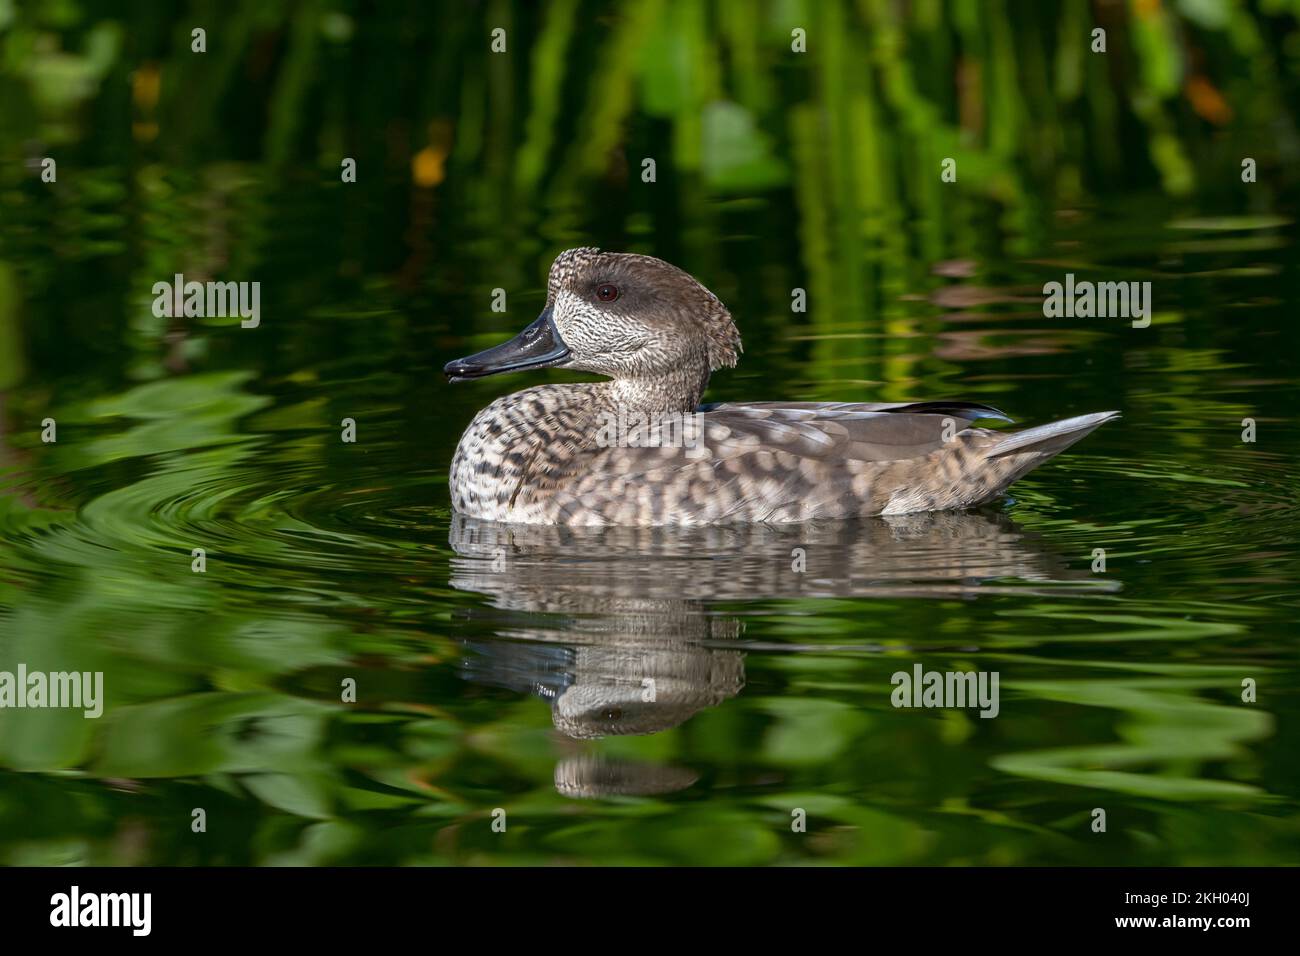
589 332
567 308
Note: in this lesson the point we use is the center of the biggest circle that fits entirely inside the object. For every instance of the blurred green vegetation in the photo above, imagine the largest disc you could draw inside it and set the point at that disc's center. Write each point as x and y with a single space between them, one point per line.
542 145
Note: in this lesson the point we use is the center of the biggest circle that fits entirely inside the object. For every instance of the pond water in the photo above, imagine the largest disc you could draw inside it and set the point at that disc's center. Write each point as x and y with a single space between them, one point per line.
499 667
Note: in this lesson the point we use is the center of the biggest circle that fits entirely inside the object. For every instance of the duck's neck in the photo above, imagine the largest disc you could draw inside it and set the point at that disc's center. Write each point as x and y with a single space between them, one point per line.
678 391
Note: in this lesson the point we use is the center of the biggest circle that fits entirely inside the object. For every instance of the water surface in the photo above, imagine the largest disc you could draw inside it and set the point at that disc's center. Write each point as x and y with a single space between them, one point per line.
503 666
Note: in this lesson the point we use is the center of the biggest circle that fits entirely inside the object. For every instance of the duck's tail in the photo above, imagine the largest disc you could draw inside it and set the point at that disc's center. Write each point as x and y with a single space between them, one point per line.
1044 441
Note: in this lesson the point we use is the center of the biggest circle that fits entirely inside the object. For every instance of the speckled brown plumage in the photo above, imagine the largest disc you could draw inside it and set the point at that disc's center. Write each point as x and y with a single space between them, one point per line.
538 456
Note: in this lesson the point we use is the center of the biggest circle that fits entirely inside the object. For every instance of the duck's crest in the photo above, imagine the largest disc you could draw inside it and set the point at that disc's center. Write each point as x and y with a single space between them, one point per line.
724 337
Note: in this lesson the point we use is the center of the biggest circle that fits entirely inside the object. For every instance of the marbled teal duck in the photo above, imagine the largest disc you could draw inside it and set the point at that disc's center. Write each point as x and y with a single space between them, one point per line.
639 449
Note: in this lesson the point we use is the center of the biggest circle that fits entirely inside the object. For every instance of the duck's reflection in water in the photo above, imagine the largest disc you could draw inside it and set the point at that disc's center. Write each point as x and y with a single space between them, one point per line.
591 775
614 626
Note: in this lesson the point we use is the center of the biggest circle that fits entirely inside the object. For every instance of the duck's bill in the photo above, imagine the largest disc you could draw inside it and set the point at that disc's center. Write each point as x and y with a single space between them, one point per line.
538 346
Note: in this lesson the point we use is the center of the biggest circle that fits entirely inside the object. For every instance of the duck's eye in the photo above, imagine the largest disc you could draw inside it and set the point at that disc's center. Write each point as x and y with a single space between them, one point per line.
607 292
612 713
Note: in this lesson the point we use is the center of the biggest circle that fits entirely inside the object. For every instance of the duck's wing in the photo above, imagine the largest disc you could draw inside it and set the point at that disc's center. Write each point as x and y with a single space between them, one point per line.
970 411
854 431
758 461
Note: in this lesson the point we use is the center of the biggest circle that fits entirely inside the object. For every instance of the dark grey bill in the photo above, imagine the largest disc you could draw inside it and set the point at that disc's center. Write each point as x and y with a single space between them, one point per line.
538 346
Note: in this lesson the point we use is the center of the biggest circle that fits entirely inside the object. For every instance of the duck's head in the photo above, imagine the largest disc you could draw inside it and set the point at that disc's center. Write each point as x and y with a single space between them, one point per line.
617 314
